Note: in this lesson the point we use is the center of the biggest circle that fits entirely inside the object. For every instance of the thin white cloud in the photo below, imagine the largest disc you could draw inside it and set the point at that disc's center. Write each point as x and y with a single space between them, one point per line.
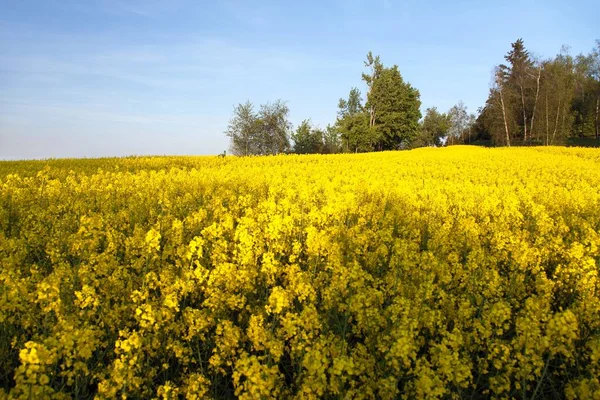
145 8
95 113
180 67
90 95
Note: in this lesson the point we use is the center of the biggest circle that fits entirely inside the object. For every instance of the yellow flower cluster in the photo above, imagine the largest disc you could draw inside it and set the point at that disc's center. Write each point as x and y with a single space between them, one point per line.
434 273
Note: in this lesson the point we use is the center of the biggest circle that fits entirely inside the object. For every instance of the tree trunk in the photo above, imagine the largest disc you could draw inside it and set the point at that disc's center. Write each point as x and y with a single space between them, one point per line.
524 114
547 125
564 116
504 117
537 92
582 112
556 122
596 118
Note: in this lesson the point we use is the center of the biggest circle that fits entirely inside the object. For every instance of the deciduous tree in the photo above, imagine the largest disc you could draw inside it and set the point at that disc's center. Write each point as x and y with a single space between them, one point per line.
307 139
262 132
434 128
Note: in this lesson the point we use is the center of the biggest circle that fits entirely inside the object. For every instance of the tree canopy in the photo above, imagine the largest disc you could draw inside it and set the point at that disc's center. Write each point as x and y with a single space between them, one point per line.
434 129
542 101
258 133
388 120
531 101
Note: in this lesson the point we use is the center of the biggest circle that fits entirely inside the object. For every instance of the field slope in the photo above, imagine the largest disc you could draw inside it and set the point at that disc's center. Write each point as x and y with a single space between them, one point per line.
460 272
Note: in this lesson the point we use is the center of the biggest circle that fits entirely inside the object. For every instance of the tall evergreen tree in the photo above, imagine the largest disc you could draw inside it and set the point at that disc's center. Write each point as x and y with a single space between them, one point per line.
543 102
393 106
517 81
390 117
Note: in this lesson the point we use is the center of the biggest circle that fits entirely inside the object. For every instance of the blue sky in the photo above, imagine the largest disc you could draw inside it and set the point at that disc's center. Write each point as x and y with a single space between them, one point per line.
119 77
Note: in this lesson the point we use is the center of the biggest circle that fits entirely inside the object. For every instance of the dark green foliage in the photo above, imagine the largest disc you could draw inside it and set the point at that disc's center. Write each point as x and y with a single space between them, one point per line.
307 139
586 99
531 102
389 119
353 123
434 128
542 102
332 141
396 107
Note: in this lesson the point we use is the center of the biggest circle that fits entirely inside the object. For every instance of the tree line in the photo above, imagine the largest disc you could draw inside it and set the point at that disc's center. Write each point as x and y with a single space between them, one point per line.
542 101
531 101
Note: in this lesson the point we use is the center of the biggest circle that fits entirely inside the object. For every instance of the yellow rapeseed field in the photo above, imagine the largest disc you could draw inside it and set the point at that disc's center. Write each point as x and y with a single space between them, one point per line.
459 272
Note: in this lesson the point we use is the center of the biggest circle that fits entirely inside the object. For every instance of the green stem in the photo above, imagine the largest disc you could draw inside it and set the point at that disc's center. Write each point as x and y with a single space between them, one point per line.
539 384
